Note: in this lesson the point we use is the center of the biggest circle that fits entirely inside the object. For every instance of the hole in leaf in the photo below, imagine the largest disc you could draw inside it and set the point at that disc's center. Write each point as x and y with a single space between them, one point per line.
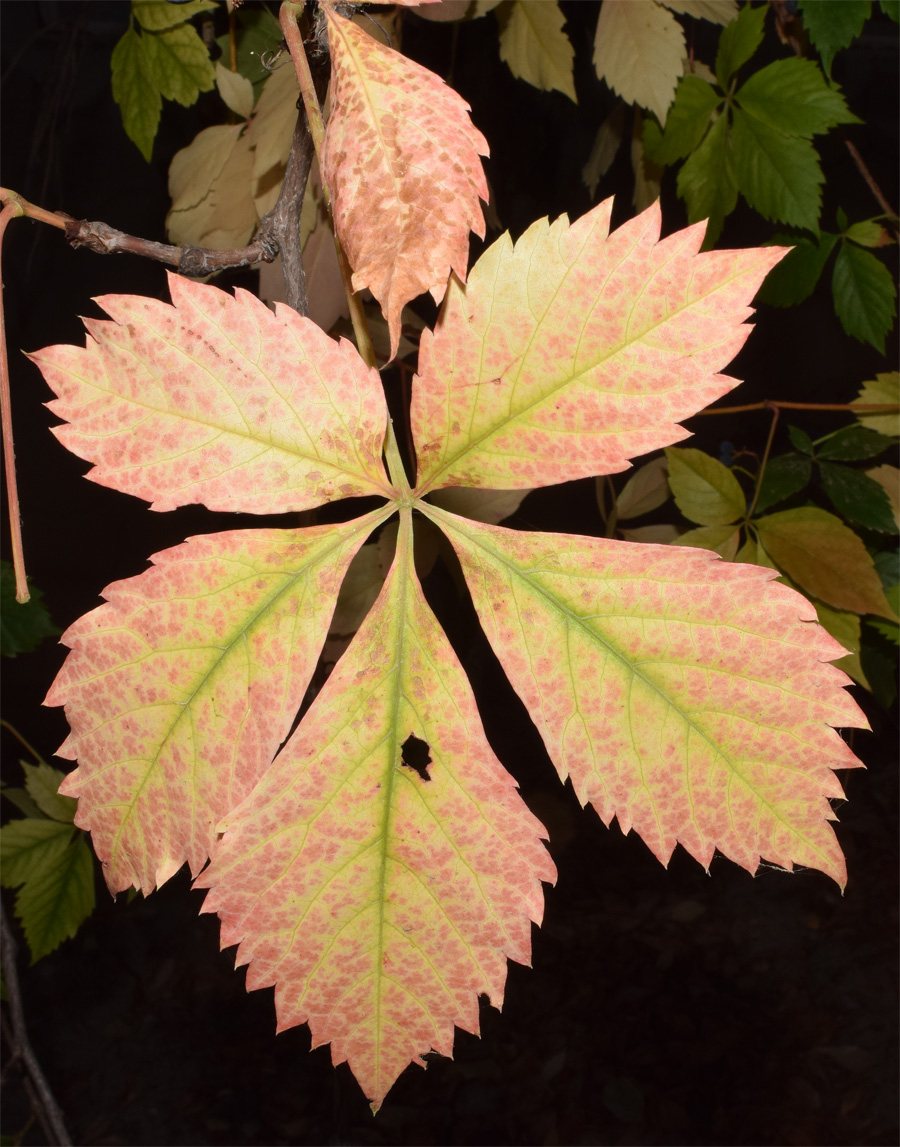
415 755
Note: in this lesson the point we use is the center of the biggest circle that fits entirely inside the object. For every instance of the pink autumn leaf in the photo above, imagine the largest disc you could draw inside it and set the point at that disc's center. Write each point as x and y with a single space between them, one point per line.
402 161
180 689
214 399
574 350
380 899
688 697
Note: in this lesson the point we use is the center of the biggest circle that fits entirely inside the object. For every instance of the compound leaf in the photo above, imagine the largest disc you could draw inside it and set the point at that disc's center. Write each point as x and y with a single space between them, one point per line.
739 41
135 91
23 625
402 160
42 783
883 388
179 64
378 889
575 349
180 689
858 497
537 50
216 400
157 15
795 278
707 182
833 26
686 696
688 119
778 175
783 477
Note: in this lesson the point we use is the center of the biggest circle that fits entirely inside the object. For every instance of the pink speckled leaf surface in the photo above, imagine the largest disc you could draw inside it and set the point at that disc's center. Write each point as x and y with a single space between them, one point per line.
180 688
380 903
688 697
215 399
574 350
401 158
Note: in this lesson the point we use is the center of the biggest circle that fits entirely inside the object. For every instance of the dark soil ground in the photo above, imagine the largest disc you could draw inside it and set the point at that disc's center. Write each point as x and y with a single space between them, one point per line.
663 1007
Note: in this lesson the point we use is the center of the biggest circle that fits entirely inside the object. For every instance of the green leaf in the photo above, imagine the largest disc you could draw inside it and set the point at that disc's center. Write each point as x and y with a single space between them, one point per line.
792 98
686 123
135 92
868 233
825 558
30 847
853 444
22 801
706 181
722 539
157 15
258 31
845 628
888 629
883 388
179 64
738 42
891 9
795 277
783 477
887 564
858 497
705 491
833 26
864 295
42 783
23 626
801 440
54 864
779 176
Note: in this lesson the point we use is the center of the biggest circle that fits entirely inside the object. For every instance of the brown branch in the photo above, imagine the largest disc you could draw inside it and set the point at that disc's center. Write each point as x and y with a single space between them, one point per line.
853 407
47 1109
11 209
868 177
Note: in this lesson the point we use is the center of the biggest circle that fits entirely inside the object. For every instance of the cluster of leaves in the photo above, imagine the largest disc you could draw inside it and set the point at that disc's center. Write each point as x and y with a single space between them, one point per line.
377 865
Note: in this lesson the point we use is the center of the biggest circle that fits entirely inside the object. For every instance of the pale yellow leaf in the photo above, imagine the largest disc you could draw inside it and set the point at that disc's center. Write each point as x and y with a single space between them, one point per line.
225 217
195 168
235 90
722 539
272 127
606 146
638 50
537 50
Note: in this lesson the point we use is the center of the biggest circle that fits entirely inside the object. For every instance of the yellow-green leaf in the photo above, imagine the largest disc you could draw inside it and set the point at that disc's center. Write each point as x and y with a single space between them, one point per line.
135 91
179 63
156 15
686 696
722 539
42 783
647 489
575 349
534 45
845 628
236 91
825 558
180 689
385 867
705 491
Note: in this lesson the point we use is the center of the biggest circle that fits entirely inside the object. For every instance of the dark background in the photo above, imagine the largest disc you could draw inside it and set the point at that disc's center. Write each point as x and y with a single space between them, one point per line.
663 1006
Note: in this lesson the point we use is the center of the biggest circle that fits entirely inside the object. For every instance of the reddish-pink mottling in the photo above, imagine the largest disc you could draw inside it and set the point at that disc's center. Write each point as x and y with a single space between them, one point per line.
401 158
688 697
378 904
575 350
217 400
180 689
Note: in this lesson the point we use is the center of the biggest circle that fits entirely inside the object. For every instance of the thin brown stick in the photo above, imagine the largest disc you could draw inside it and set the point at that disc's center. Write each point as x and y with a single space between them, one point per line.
765 458
10 211
857 407
868 177
47 1108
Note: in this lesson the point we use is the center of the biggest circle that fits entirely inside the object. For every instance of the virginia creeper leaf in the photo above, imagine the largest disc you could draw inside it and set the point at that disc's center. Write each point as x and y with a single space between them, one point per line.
647 489
236 91
716 11
179 690
833 26
825 558
858 497
686 696
216 400
792 97
795 278
779 176
157 15
705 491
402 160
723 540
864 295
42 783
707 183
688 119
739 41
845 628
23 625
54 865
639 51
537 50
888 477
883 388
135 91
574 350
853 444
783 477
178 62
378 901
